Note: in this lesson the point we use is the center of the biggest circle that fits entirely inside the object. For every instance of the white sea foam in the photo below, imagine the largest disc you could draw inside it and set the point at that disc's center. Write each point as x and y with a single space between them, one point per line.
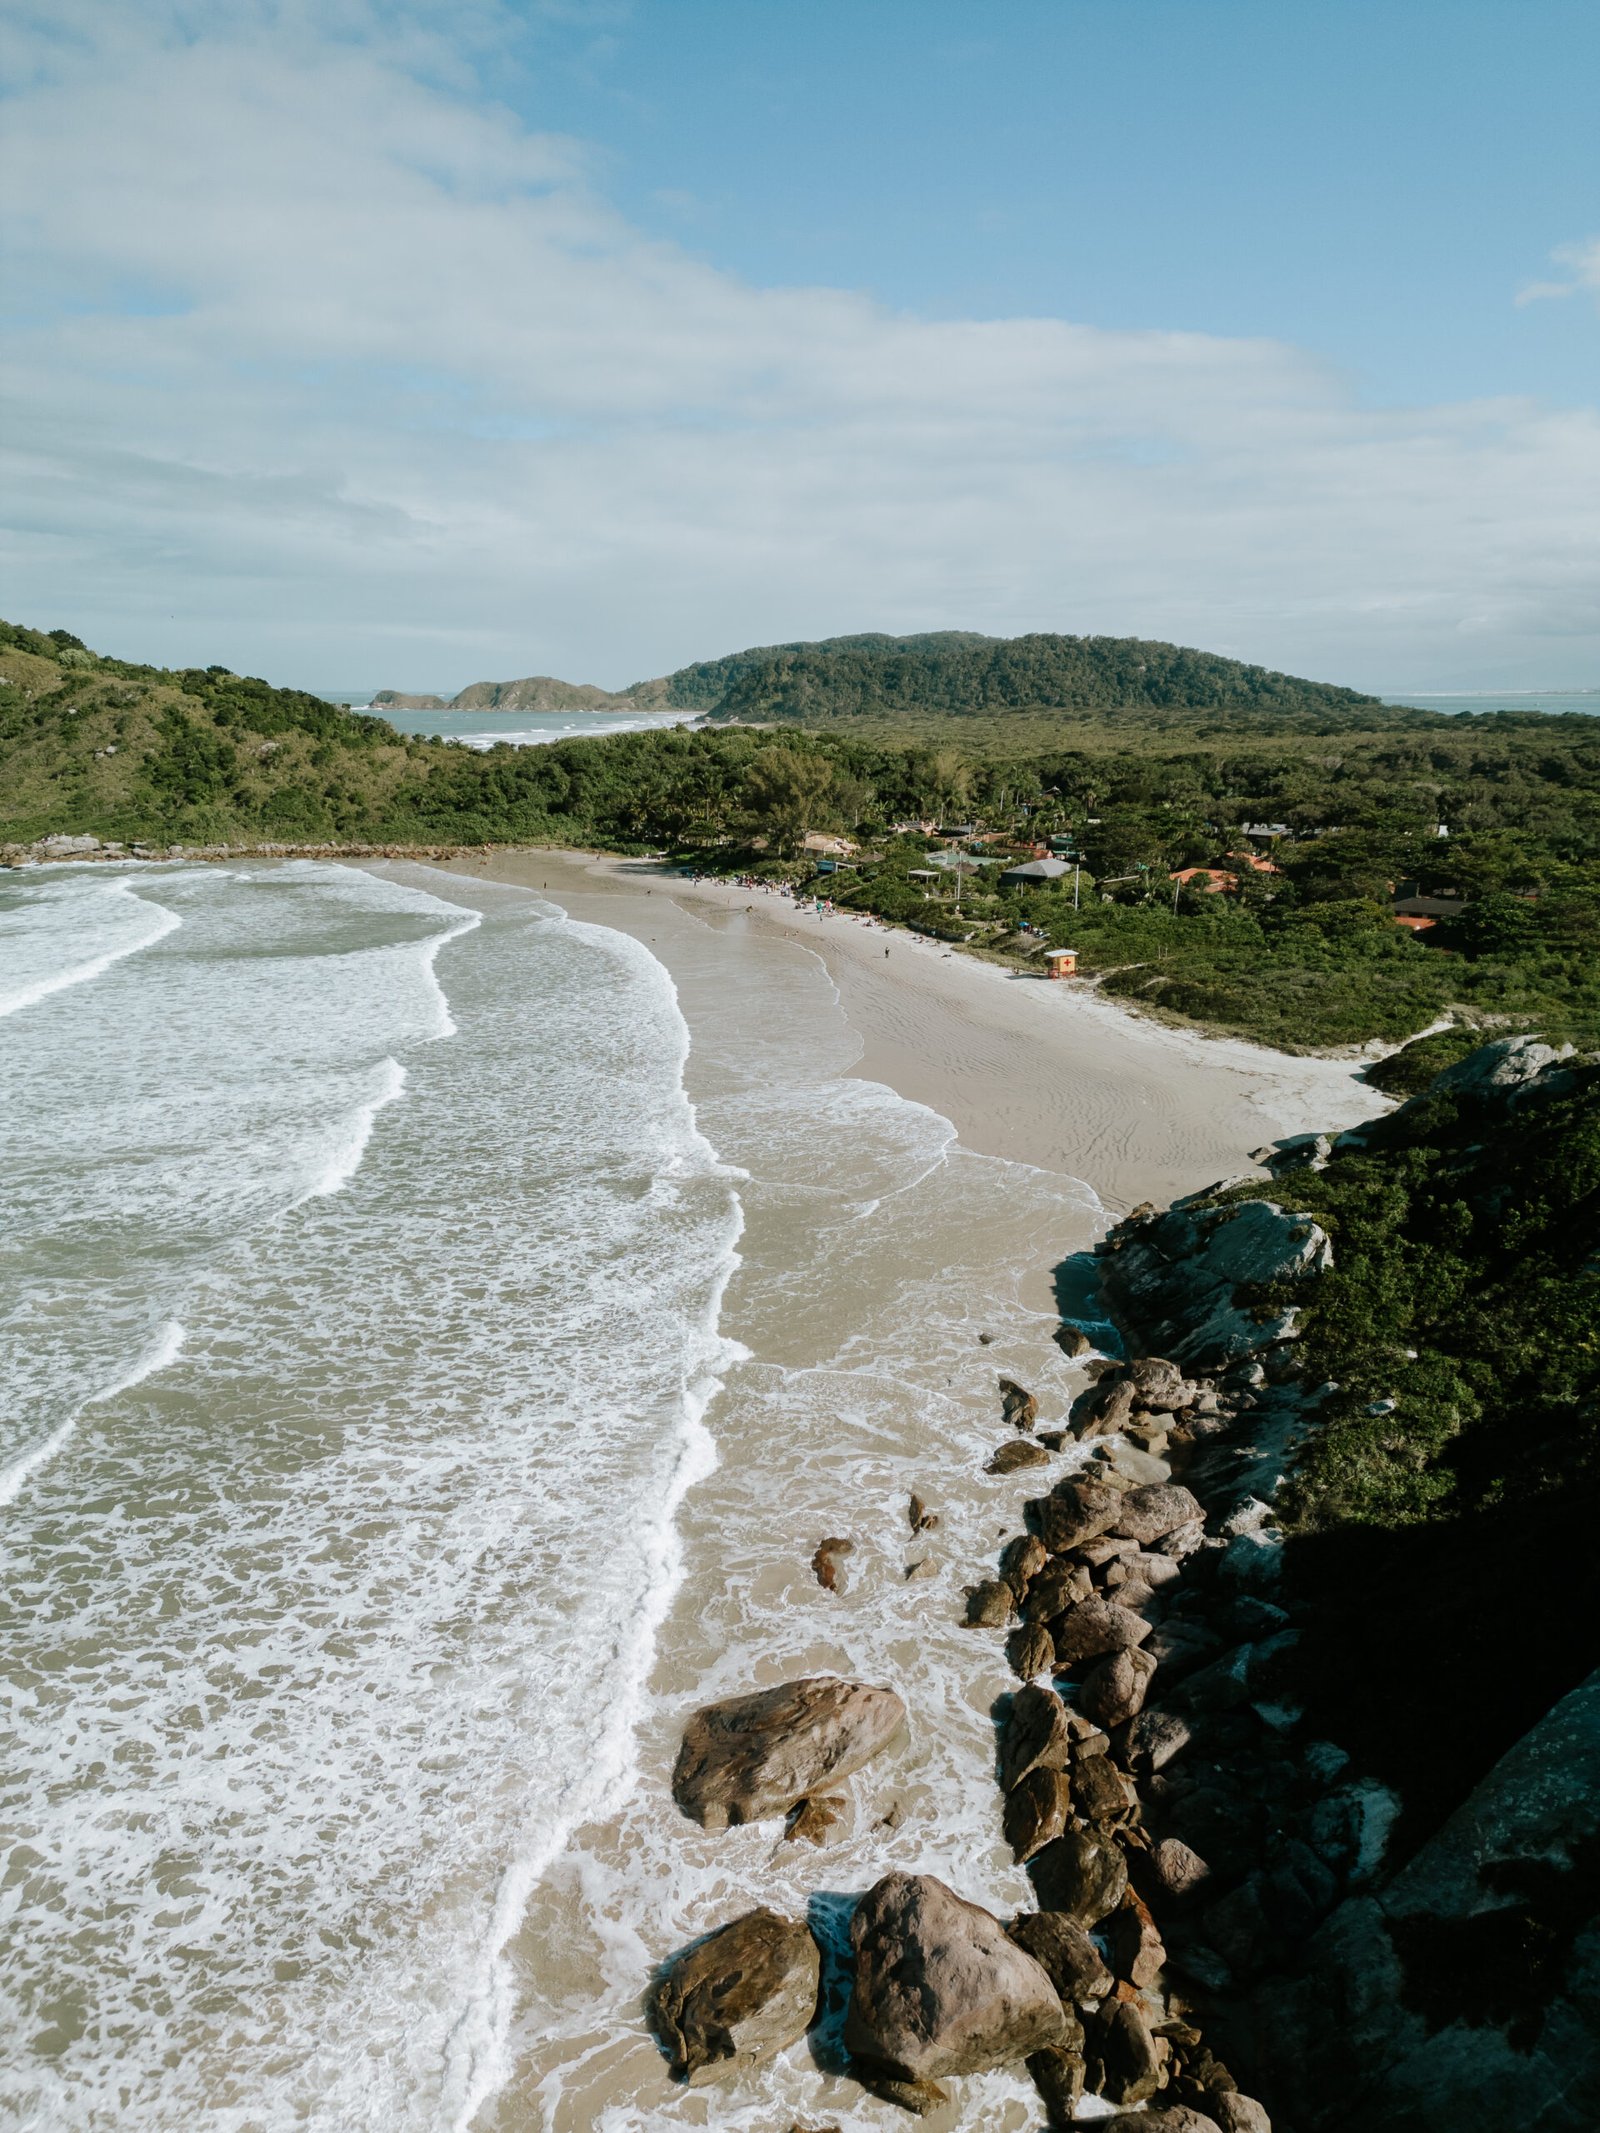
69 933
349 1135
164 1350
347 1585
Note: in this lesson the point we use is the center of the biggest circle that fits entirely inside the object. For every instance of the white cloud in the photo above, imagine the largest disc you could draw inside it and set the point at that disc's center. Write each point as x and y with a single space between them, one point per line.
327 368
1582 262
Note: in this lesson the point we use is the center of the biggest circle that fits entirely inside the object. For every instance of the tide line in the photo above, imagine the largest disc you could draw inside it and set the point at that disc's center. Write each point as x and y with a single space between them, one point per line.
164 1350
167 921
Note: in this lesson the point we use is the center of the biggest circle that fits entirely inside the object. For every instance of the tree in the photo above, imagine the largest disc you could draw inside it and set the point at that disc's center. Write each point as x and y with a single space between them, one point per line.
786 794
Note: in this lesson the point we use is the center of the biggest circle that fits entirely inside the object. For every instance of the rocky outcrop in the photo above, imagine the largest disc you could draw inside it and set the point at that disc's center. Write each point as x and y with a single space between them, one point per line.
1465 1990
754 1756
737 1997
1175 1281
940 1989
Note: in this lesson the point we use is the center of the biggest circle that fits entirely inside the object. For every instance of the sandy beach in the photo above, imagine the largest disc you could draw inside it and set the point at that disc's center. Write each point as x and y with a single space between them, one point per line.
1049 1074
925 1149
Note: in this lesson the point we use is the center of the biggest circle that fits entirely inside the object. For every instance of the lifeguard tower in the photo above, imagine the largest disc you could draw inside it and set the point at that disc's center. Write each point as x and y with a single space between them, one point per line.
1061 962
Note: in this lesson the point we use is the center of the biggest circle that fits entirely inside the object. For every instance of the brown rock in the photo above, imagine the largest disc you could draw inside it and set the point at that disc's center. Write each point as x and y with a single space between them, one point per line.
1170 2118
1115 1691
1100 1793
1239 2114
1021 1560
1161 1384
939 1988
813 1819
1087 1739
737 1998
1034 1735
1064 1951
1178 1869
1132 1942
1104 1408
1073 1341
1018 1453
826 1562
1147 1515
1124 2065
1057 2074
990 1605
917 2097
1156 1736
1075 1511
1036 1812
922 1519
1106 1549
1020 1408
753 1756
1030 1651
1094 1627
1054 1590
1080 1875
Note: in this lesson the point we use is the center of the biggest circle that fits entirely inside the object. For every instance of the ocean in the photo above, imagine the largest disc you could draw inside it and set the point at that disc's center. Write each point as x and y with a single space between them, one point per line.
425 1376
524 729
1562 702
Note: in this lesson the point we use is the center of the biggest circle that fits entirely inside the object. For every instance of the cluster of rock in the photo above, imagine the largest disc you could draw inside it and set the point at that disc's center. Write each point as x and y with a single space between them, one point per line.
1206 1878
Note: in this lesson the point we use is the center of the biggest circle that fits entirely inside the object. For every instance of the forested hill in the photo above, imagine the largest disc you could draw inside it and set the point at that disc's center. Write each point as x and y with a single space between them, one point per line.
939 674
706 684
965 676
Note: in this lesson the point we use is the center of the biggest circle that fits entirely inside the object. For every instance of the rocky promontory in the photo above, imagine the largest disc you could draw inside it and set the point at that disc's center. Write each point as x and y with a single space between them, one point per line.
1244 1902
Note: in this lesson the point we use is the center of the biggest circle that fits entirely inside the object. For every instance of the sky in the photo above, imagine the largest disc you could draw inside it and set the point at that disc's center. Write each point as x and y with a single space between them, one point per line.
357 344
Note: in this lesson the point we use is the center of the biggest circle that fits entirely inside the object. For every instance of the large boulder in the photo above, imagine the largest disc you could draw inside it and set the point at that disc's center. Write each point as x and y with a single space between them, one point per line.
1149 1514
1115 1691
1074 1511
1035 1734
1019 1406
1171 2118
1174 1280
735 1998
1080 1875
1094 1627
1507 1063
1124 2064
1036 1812
752 1757
1063 1949
940 1988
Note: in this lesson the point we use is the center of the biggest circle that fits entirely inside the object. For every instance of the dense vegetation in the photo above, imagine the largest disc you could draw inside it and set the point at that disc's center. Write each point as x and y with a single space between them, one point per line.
878 677
1445 1508
1308 955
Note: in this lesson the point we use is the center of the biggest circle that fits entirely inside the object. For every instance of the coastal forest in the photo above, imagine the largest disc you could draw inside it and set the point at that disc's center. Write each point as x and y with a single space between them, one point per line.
1311 807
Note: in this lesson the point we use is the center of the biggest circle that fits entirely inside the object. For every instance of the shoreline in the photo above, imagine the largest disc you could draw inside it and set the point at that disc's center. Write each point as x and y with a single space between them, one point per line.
1051 1075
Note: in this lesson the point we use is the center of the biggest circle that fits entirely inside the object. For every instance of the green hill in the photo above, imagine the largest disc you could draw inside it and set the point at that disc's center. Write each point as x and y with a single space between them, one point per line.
966 676
708 683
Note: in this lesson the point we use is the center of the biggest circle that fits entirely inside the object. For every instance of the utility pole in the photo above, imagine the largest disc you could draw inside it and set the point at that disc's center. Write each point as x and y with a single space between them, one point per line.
1176 886
1077 870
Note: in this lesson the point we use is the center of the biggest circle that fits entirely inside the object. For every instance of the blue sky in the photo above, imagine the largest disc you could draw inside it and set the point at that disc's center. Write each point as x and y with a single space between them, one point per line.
362 343
1374 179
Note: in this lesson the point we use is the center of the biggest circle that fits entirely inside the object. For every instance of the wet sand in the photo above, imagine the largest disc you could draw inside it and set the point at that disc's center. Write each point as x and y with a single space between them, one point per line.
923 1143
1050 1074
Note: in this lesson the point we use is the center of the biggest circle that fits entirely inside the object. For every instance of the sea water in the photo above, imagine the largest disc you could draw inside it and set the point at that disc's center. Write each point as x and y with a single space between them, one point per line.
361 1267
425 1381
